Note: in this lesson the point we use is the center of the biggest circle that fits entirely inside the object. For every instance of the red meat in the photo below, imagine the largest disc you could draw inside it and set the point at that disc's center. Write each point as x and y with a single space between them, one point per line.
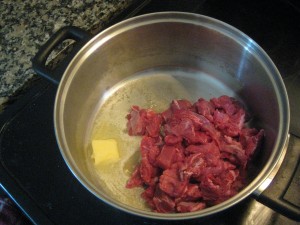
169 155
198 137
172 183
192 192
180 104
190 206
172 139
226 103
153 123
217 184
136 124
179 128
135 179
198 120
148 195
143 121
148 172
192 155
251 139
150 149
162 202
176 105
167 115
205 108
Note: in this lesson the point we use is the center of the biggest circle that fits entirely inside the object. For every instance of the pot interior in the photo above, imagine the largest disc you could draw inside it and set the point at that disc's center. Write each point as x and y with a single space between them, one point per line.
149 61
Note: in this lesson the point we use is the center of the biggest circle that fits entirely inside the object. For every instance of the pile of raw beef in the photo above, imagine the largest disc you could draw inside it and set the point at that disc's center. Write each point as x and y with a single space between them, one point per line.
192 155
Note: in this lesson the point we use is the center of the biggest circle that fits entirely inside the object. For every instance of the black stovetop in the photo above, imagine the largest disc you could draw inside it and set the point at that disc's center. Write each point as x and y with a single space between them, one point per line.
34 174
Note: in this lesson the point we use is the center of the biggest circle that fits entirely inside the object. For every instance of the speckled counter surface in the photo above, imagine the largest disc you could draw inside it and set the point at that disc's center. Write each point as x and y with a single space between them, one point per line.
26 25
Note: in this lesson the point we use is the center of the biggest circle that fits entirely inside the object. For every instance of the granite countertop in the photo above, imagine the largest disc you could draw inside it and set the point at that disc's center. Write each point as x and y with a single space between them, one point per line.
26 25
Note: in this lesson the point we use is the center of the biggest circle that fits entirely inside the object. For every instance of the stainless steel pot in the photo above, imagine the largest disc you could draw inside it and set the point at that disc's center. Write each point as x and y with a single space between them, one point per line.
156 58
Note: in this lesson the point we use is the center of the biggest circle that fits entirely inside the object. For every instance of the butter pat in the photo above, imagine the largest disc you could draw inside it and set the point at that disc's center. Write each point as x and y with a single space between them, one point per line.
105 151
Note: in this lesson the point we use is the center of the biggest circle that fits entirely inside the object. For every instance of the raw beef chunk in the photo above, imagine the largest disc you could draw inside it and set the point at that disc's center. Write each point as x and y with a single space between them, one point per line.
192 155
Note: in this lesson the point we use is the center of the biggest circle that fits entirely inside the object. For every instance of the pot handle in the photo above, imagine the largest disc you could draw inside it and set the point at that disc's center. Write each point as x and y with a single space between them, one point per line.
66 33
282 195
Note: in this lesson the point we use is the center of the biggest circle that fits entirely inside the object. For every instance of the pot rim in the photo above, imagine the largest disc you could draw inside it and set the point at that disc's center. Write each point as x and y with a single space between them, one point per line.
199 20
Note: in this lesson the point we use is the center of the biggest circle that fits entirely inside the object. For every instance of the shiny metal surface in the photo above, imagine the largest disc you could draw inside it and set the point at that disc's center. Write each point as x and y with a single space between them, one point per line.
257 213
268 181
211 58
